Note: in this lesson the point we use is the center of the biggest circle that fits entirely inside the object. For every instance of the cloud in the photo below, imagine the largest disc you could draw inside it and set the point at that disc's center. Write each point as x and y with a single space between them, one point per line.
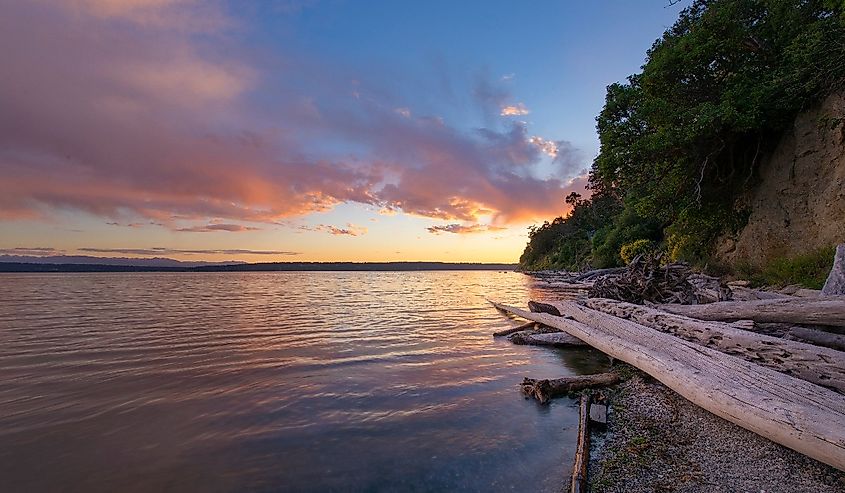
158 115
176 251
349 230
463 229
209 228
549 147
31 251
517 109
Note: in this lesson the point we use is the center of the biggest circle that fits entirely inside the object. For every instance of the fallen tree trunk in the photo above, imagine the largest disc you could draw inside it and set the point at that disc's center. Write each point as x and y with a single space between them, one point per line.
582 450
546 339
797 414
513 330
820 338
544 390
819 365
829 310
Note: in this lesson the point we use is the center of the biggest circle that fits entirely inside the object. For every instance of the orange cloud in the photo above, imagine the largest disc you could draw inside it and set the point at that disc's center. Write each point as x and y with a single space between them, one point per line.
463 228
146 124
517 109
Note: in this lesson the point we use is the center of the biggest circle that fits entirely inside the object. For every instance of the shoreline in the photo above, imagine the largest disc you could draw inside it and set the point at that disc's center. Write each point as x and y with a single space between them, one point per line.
658 441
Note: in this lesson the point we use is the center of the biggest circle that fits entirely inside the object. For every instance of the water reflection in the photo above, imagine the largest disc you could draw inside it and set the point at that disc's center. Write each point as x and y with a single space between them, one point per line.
275 382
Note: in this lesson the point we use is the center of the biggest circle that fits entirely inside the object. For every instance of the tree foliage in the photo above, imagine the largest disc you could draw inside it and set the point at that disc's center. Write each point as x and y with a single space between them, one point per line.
683 139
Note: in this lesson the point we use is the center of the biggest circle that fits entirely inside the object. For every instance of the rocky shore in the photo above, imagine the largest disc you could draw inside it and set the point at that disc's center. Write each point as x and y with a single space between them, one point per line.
657 441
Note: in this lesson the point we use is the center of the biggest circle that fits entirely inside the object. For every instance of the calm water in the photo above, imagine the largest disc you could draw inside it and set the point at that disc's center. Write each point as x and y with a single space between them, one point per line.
275 382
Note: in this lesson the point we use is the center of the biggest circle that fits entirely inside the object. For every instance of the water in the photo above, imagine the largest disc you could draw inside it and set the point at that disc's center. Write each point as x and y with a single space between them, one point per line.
287 381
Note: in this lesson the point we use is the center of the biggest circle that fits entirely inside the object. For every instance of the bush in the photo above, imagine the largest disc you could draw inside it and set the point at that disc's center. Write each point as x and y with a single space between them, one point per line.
630 250
810 270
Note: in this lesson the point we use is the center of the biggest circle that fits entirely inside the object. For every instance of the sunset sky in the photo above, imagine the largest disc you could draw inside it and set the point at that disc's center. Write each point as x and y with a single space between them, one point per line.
302 130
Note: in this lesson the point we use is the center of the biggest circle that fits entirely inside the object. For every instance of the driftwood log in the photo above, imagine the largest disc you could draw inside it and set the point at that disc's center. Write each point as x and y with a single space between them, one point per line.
582 450
828 310
598 272
558 339
513 330
535 306
819 338
797 414
742 293
544 390
819 365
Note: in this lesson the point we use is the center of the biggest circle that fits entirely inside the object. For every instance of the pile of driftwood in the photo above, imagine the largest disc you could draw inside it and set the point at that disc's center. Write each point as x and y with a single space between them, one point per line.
770 362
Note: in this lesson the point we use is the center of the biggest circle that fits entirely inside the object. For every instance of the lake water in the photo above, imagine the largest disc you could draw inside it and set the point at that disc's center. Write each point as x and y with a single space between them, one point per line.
279 381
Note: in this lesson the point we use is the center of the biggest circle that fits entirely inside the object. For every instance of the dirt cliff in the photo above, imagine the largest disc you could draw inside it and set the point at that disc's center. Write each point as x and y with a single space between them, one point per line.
799 203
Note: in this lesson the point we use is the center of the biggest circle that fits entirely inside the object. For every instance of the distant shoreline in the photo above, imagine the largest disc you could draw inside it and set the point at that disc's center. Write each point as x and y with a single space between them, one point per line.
20 267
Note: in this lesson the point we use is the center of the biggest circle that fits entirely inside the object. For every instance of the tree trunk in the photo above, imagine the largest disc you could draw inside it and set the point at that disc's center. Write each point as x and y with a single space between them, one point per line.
582 450
828 310
797 414
544 390
821 366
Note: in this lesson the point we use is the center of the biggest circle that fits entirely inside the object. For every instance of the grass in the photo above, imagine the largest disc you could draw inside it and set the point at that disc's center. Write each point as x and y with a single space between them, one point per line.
809 270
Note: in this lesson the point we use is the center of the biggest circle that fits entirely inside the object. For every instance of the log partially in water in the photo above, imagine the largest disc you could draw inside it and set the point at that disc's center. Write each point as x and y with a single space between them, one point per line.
513 330
582 450
544 390
819 365
558 339
797 414
829 310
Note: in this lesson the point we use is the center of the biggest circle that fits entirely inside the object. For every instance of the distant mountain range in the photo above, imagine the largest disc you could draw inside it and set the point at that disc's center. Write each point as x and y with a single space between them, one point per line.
112 261
84 263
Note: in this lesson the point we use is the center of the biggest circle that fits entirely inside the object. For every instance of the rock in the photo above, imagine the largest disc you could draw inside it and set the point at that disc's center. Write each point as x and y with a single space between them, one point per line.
836 280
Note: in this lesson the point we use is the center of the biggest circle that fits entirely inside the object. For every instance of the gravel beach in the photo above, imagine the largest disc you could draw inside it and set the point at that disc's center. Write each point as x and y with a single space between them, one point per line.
657 441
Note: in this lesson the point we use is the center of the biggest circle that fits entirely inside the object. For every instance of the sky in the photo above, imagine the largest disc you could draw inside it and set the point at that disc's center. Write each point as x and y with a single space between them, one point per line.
303 130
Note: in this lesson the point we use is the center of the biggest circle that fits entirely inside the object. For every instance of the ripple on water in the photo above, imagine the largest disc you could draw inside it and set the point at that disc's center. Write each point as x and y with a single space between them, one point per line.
343 381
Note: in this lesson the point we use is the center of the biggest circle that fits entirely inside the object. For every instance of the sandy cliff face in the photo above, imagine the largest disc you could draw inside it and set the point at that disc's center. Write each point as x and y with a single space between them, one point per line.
799 204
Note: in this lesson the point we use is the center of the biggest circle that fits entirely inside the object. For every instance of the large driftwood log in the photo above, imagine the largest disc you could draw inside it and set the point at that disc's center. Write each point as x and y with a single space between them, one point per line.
819 338
544 390
582 450
513 330
558 339
828 310
797 414
819 365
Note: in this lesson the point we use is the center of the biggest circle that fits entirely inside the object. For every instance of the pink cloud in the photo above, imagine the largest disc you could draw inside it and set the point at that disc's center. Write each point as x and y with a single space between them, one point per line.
119 109
463 228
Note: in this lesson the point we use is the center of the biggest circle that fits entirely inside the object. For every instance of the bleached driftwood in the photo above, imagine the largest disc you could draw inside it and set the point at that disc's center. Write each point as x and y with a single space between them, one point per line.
742 293
819 365
582 449
513 330
828 310
819 338
835 284
797 414
543 390
599 272
558 339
